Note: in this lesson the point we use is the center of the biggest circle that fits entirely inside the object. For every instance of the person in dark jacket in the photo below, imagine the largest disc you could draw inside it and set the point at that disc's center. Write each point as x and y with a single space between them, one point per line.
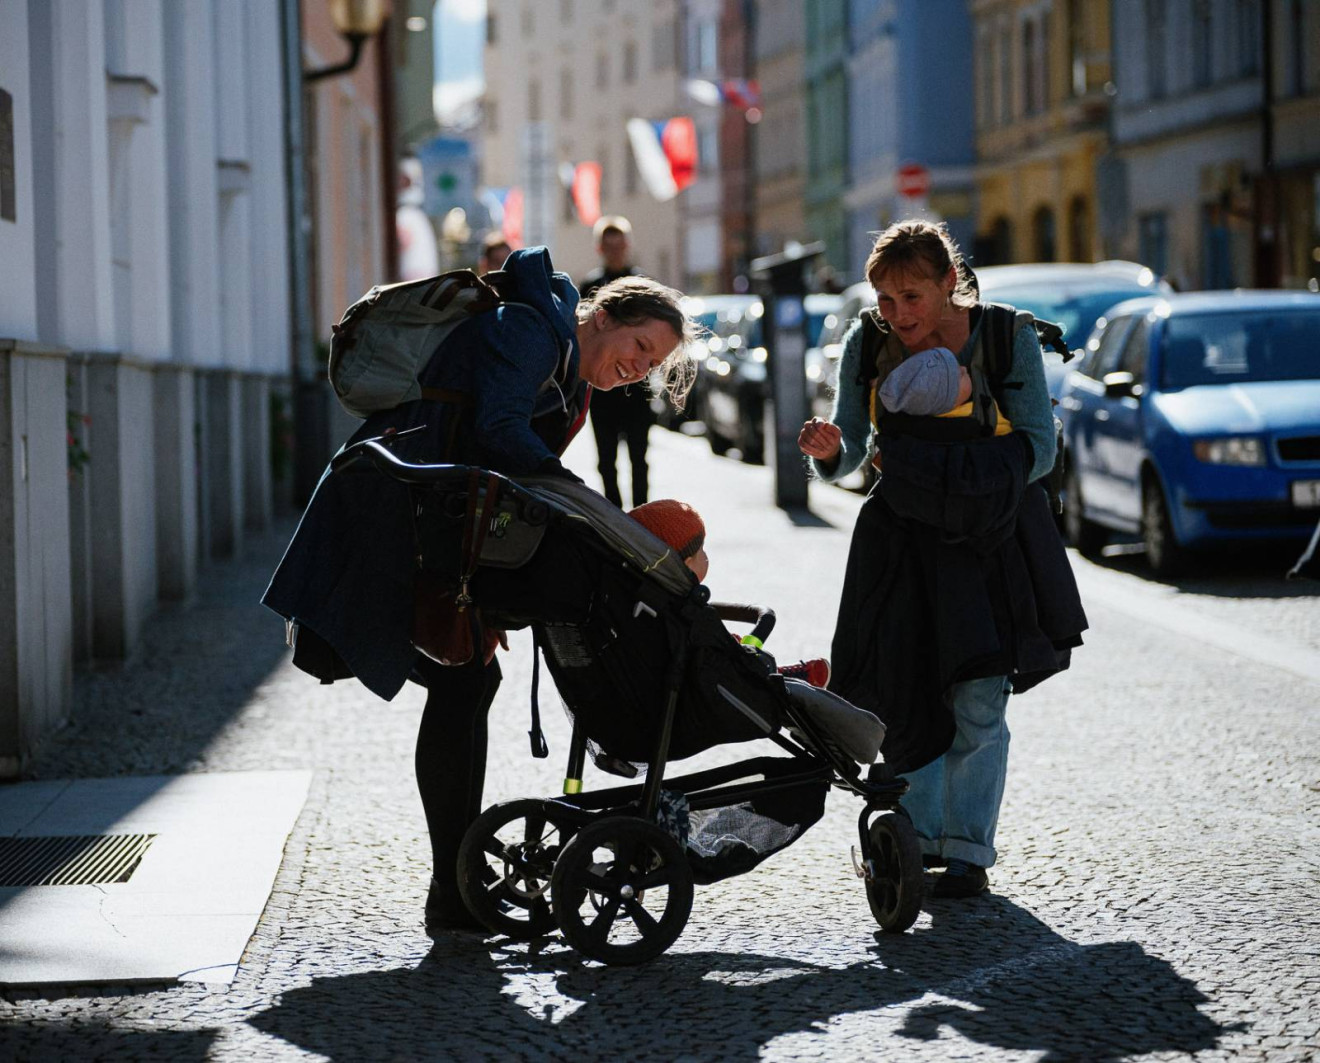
507 391
625 412
957 590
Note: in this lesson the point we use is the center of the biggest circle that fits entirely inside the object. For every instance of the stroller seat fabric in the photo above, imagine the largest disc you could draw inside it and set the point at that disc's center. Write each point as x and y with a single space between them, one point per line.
856 732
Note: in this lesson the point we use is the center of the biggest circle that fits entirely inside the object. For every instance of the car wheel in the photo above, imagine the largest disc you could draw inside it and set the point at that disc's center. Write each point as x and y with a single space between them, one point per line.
1164 554
1088 536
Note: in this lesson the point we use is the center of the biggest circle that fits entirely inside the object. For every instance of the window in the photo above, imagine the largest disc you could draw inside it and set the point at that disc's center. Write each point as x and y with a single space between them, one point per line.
1248 37
490 109
630 63
565 10
629 170
1153 241
1005 76
491 28
985 70
1030 100
1156 52
663 46
1296 74
533 101
1202 44
707 152
1079 230
1044 236
566 95
1134 353
602 156
528 21
706 54
602 70
1104 348
1077 47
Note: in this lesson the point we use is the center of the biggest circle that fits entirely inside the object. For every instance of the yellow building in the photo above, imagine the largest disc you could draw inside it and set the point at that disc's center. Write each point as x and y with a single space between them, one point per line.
1042 76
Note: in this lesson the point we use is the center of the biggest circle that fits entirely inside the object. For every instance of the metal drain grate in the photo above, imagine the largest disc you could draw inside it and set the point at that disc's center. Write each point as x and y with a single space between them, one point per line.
83 860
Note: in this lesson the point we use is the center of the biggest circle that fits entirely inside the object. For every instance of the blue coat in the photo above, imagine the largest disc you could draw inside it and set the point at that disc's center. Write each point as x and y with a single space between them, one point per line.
347 575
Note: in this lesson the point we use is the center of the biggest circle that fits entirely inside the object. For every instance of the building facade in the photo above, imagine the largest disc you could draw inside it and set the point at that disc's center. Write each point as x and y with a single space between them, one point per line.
779 141
1042 79
909 102
145 301
562 80
825 69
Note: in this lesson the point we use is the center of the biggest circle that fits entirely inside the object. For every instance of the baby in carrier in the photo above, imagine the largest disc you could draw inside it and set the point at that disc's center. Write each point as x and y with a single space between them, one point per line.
681 528
931 383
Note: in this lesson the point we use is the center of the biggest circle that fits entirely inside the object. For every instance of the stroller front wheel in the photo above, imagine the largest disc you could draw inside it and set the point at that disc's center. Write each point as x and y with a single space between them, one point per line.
621 890
505 863
894 881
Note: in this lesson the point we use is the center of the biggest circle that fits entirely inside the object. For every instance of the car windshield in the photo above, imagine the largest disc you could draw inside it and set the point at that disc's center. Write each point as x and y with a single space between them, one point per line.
1077 312
1241 347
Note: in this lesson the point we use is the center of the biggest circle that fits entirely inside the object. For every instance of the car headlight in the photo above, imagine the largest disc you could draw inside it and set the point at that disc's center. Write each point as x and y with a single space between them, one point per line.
1230 450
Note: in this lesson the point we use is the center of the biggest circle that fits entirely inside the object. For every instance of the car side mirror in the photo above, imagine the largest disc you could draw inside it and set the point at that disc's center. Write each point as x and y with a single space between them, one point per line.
1121 386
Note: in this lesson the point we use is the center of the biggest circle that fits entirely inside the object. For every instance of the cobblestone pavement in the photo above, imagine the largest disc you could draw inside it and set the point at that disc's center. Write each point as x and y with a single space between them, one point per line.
1154 898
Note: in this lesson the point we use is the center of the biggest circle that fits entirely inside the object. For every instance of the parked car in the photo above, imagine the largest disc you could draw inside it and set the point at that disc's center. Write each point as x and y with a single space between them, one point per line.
731 384
733 379
1072 294
1194 420
829 345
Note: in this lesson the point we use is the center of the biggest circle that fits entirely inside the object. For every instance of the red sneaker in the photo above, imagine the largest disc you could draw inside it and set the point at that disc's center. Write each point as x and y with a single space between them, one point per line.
815 671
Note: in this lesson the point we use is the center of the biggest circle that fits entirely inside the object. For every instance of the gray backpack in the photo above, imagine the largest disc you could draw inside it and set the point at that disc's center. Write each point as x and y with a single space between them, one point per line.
387 337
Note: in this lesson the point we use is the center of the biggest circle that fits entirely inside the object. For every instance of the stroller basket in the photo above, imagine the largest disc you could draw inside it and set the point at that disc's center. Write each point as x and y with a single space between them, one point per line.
730 819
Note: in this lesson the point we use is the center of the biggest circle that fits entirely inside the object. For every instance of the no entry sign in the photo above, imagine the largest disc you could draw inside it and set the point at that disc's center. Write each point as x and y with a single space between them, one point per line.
912 181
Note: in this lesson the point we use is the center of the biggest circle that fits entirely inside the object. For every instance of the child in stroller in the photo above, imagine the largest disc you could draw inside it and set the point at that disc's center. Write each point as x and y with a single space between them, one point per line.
681 528
648 674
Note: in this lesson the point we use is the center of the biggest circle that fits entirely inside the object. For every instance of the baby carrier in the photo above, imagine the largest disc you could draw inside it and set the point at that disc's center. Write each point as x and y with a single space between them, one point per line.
649 674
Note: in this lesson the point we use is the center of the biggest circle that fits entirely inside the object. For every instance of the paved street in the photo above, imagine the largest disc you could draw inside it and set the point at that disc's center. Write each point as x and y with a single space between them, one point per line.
1155 896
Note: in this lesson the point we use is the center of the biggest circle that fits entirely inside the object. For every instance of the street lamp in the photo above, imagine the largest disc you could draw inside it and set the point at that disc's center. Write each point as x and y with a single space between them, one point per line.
356 20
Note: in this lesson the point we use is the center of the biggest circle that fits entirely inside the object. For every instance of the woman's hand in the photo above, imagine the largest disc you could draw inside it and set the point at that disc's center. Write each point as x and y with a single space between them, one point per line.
820 439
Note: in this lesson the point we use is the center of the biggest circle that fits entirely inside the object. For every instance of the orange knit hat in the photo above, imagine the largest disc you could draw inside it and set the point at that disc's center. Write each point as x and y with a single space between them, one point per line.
675 523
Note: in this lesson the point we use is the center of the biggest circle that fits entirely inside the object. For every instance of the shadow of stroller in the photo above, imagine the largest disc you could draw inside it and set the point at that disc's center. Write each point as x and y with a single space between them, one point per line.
989 971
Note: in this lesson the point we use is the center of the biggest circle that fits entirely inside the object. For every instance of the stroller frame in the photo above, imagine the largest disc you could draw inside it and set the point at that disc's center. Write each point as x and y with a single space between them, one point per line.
584 862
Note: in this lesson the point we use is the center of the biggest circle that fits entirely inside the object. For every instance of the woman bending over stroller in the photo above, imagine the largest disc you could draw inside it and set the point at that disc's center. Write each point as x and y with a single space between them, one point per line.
506 391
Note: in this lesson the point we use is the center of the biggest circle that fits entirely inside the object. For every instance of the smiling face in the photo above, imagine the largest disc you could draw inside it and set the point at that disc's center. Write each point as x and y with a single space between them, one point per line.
914 306
615 354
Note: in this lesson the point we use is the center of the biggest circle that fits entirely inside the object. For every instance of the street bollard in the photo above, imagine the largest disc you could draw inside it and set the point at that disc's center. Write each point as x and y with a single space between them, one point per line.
782 283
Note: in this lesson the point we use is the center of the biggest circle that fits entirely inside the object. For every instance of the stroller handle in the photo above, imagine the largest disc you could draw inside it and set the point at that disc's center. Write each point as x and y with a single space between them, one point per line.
382 459
762 619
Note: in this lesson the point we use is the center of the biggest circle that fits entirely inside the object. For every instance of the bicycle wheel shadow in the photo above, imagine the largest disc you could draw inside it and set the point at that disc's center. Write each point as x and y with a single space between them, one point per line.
989 971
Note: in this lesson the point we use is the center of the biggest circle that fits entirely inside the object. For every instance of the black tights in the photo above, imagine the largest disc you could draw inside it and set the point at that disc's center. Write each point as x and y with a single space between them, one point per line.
451 759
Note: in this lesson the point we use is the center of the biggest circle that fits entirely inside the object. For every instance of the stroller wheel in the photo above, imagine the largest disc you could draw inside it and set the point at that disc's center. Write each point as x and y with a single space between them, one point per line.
894 880
504 866
622 890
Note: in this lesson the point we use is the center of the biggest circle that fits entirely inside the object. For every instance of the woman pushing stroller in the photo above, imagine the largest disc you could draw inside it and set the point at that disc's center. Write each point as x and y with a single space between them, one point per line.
957 590
506 391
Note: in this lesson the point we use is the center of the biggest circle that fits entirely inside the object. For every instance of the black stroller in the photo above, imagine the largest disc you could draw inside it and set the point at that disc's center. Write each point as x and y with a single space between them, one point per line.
649 674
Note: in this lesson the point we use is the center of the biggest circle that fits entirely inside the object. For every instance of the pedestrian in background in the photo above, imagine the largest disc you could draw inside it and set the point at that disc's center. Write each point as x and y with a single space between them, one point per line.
494 250
957 590
624 412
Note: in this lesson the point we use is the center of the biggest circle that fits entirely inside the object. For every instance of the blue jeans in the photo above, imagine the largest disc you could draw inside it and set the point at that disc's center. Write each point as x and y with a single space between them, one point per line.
954 801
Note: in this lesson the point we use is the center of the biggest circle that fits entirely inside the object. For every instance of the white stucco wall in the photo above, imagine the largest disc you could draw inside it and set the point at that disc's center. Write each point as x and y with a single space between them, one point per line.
18 305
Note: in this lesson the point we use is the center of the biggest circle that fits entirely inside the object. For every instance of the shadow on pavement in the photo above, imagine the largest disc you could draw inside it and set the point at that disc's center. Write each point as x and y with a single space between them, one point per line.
43 1043
1254 571
802 517
987 971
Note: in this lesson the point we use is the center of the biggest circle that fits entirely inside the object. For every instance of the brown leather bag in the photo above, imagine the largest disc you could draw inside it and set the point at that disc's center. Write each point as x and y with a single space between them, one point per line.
446 621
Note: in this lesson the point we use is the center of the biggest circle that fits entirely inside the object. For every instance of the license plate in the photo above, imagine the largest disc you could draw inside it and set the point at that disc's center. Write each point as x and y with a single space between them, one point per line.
1306 494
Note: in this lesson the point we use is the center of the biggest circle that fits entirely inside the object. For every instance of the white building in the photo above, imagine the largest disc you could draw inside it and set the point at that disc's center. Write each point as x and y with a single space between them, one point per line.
144 320
562 80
